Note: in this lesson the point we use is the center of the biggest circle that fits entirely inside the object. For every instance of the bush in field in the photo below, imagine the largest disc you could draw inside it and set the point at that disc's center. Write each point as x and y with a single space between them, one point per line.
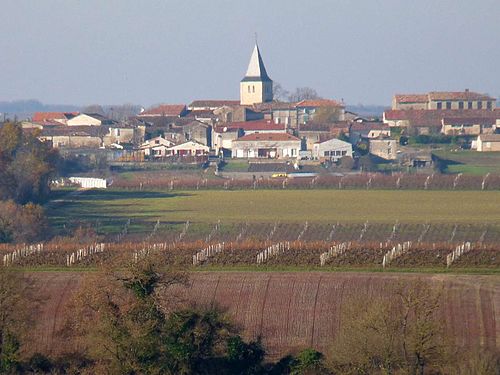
20 223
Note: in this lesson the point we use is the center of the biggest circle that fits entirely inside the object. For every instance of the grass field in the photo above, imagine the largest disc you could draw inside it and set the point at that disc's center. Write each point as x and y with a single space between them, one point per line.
347 206
470 162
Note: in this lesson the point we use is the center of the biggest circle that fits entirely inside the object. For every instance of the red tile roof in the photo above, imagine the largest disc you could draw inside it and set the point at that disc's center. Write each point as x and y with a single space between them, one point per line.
165 110
424 117
268 137
411 98
319 103
469 121
458 95
43 116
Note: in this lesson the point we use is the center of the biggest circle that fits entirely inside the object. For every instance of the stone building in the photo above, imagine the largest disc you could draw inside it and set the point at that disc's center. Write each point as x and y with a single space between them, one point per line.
443 100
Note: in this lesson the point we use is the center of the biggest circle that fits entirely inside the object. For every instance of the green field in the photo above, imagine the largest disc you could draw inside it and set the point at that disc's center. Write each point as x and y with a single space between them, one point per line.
470 162
346 206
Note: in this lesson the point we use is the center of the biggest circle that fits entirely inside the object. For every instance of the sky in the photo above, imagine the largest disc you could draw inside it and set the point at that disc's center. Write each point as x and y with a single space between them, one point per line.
174 51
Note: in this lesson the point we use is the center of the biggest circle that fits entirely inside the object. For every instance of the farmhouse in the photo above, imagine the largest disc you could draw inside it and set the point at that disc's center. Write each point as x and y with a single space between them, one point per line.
332 150
488 142
73 137
270 145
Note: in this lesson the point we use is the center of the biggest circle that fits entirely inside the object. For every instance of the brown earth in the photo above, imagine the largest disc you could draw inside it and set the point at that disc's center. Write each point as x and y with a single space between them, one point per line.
290 310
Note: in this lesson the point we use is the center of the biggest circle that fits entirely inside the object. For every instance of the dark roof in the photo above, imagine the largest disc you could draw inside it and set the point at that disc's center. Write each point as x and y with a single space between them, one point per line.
256 70
85 131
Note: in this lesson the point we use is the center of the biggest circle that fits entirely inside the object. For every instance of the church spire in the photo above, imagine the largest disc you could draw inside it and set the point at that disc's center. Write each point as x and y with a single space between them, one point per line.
256 70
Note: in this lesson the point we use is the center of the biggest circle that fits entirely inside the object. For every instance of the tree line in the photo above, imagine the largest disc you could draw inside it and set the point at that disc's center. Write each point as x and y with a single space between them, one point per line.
26 168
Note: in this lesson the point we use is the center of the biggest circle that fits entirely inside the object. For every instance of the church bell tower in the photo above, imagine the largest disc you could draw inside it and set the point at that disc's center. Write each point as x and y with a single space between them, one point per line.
256 86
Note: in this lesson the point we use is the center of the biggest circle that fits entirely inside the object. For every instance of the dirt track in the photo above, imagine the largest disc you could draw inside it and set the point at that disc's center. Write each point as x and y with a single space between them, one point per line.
292 310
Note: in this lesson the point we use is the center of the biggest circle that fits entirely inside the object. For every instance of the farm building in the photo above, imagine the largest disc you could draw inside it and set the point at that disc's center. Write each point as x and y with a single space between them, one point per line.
332 149
271 145
488 142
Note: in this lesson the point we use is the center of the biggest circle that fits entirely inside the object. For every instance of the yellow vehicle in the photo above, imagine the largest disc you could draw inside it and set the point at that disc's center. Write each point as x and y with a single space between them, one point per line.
275 175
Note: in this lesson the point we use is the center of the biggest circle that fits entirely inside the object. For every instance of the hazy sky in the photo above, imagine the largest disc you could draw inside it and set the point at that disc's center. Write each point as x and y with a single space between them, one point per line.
145 52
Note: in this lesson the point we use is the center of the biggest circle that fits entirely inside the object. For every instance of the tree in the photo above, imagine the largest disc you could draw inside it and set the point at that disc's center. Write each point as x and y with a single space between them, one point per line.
14 293
303 93
327 114
129 328
279 93
94 108
386 335
308 362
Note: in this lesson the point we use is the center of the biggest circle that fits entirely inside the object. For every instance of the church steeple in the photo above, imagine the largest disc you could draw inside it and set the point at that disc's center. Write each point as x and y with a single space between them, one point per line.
256 86
256 69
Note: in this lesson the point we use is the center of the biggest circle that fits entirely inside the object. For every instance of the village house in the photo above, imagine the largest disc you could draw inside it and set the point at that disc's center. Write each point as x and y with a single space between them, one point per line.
384 148
367 130
199 132
156 147
223 137
73 137
468 126
267 145
53 118
488 142
313 132
189 148
331 150
89 119
461 100
124 134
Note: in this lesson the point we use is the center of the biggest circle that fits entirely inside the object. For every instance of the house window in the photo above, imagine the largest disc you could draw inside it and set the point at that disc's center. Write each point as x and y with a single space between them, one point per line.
469 105
479 105
327 153
344 153
294 152
337 153
439 105
448 105
253 89
460 105
249 89
489 105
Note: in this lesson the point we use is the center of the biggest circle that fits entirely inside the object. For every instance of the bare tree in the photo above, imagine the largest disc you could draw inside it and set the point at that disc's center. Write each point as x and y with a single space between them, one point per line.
303 93
279 92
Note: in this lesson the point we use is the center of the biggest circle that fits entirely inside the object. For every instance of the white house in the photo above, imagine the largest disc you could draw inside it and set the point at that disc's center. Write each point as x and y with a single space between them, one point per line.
267 145
332 149
156 147
189 148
